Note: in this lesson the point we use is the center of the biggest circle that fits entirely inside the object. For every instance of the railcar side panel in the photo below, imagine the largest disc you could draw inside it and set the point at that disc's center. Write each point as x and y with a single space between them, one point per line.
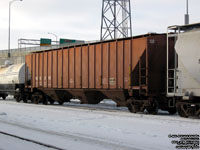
41 63
127 63
85 67
91 66
32 68
78 71
54 69
49 78
71 68
45 70
37 70
113 65
105 61
65 68
120 64
60 68
103 65
98 65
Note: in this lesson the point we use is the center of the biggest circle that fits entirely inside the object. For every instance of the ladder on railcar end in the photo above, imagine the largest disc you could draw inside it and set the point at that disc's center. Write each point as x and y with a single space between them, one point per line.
172 82
171 88
143 78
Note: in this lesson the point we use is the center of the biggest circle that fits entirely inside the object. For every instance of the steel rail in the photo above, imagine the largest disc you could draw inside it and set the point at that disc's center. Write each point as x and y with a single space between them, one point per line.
31 141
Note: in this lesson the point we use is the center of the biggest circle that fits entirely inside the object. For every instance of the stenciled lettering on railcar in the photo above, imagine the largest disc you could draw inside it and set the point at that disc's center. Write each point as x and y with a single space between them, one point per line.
112 81
126 79
49 78
151 41
71 81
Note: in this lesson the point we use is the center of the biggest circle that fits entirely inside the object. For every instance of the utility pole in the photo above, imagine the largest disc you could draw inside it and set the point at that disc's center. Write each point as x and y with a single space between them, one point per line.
9 25
54 36
187 14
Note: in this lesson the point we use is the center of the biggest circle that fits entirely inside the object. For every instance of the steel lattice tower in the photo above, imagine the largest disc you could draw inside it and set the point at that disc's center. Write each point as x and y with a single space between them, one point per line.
116 19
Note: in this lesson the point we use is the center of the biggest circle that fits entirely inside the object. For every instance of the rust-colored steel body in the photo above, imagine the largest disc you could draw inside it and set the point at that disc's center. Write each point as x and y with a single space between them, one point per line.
116 69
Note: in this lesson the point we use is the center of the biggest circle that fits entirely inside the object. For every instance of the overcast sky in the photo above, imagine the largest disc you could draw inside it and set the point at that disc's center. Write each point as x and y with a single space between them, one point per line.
81 19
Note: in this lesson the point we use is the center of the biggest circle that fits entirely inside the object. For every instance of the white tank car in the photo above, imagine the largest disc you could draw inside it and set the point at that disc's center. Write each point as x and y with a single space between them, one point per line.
12 77
188 50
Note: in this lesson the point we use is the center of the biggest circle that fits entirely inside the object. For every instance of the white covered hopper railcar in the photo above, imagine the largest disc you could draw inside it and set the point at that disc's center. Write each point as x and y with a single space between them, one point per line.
186 79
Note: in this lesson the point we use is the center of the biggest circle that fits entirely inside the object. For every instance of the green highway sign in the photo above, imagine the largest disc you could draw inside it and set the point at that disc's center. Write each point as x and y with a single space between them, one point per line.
65 41
45 42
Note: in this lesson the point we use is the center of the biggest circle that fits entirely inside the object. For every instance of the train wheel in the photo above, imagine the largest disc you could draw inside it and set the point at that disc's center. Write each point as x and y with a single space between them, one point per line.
181 108
35 100
172 111
198 111
153 108
51 101
131 107
61 103
17 98
4 97
45 101
25 100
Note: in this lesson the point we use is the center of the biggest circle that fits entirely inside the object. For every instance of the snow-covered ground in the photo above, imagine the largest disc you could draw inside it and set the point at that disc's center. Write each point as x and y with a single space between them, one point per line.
74 128
10 143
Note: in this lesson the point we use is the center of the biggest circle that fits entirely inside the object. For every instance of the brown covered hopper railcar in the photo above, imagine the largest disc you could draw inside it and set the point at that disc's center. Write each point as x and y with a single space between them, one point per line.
130 71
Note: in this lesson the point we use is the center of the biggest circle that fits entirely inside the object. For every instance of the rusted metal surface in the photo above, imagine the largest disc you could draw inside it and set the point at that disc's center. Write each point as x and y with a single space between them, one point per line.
135 64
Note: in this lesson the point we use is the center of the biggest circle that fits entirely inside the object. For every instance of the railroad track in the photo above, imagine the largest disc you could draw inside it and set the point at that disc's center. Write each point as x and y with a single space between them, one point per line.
77 137
74 104
31 141
113 110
